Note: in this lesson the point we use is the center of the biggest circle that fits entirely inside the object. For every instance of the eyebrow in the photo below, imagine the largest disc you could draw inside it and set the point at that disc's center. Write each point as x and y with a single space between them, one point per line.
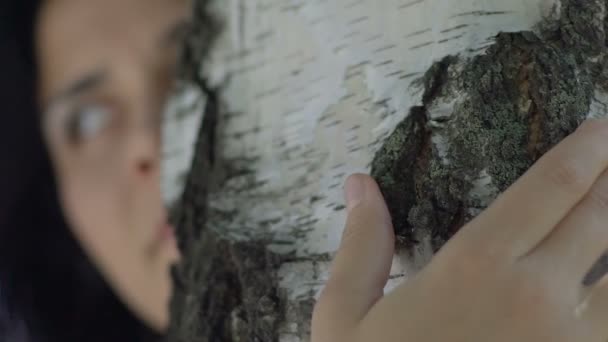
94 79
83 85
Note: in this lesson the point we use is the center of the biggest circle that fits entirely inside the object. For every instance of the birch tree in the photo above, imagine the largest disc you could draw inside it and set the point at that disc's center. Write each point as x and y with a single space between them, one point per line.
445 102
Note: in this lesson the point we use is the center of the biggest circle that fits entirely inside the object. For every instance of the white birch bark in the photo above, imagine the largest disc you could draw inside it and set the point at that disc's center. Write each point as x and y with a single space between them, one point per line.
311 90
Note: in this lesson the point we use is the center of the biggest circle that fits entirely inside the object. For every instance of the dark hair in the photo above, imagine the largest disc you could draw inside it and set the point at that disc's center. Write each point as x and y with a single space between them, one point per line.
49 290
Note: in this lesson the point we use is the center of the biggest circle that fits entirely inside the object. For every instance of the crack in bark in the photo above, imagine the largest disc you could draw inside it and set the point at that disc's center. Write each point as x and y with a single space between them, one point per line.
225 290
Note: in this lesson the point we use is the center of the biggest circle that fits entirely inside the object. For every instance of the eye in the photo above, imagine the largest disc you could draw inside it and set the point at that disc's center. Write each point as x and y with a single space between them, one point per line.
88 122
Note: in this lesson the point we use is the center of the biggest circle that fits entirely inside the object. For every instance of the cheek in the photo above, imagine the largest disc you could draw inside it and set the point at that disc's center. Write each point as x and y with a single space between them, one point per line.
95 216
142 282
93 202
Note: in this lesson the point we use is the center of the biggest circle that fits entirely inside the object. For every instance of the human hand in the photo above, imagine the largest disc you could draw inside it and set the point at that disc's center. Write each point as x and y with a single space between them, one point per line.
515 273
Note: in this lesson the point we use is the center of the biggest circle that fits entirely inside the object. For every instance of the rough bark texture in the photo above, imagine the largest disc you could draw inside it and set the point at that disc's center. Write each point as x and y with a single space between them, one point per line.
510 105
481 123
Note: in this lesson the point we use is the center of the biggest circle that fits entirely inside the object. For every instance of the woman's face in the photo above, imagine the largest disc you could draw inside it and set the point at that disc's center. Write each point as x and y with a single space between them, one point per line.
106 69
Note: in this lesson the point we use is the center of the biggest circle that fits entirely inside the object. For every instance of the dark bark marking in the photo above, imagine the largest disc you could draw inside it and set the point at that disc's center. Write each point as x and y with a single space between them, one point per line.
417 33
393 74
449 39
481 13
385 48
410 4
358 20
455 28
419 46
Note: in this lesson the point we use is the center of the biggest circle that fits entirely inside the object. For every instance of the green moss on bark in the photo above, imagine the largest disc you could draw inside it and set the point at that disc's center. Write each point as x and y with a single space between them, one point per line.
511 105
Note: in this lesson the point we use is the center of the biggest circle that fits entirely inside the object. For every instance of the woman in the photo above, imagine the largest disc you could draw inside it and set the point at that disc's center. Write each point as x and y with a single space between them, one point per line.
85 83
82 184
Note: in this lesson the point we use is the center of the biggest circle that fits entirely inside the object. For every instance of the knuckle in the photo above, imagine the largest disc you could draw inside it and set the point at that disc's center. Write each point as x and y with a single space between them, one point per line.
597 126
533 297
318 309
567 175
472 261
598 196
351 235
535 293
536 287
360 226
323 302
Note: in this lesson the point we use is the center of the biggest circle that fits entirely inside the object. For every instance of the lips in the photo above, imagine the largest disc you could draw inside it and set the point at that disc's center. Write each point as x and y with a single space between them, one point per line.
168 242
164 241
166 232
162 233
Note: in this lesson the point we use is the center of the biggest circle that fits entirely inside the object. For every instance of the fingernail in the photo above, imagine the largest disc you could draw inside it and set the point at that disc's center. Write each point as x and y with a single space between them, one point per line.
354 191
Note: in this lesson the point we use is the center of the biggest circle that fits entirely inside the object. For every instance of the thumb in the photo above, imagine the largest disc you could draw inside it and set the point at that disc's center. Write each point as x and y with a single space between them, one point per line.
362 265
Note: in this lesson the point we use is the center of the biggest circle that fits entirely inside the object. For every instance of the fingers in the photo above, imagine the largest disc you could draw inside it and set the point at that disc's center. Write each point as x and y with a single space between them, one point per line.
581 239
361 267
526 213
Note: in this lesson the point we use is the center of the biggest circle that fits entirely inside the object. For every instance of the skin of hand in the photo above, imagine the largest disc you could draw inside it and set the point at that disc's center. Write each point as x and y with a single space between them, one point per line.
513 274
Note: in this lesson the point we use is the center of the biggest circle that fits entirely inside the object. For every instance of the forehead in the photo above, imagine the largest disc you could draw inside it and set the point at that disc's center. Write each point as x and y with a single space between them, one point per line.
75 35
94 13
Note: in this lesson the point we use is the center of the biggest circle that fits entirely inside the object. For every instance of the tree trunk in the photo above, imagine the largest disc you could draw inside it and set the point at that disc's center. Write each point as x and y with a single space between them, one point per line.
445 102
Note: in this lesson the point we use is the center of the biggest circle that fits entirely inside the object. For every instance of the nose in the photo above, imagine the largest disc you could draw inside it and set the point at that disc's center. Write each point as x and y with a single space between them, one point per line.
145 167
144 154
